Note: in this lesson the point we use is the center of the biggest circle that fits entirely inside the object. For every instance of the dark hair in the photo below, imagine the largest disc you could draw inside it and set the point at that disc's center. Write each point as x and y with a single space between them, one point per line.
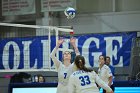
80 63
103 57
107 57
19 77
40 75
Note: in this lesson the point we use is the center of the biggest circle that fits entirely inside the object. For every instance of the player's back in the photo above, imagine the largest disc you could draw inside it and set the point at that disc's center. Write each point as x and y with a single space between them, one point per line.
84 82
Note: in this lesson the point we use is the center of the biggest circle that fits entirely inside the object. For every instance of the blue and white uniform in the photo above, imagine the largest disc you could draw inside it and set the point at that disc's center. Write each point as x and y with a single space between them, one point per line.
63 77
85 82
64 73
104 73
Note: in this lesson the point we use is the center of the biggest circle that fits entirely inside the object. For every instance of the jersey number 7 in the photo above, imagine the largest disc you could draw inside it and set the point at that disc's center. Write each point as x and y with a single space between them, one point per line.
65 75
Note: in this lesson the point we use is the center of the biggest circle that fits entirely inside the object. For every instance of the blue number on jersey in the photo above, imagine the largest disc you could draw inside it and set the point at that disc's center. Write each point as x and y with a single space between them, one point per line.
84 80
65 75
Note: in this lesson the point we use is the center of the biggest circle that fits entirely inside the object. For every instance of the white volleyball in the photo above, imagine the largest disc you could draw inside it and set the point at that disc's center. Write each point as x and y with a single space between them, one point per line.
70 12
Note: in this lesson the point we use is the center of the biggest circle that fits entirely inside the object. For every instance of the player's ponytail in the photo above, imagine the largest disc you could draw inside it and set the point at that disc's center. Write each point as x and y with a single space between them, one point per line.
80 63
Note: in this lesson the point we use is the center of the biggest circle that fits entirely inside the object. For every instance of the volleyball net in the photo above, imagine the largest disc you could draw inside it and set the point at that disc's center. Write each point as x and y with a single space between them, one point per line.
28 47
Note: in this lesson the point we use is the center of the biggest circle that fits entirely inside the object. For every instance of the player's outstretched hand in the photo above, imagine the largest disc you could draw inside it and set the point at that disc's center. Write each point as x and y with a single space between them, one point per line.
72 41
60 41
111 92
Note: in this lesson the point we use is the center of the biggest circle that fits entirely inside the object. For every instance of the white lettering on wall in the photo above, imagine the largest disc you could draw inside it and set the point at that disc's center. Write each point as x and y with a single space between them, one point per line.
113 52
5 56
85 50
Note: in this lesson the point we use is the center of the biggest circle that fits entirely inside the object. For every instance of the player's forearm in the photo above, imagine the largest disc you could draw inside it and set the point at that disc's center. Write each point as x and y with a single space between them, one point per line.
110 81
53 52
102 84
54 59
106 87
76 50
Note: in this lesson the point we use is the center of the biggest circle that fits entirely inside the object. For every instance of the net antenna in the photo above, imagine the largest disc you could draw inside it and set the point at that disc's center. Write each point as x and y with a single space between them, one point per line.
22 31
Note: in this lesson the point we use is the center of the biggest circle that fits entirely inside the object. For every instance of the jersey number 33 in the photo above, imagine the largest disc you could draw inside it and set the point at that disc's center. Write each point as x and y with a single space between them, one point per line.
85 80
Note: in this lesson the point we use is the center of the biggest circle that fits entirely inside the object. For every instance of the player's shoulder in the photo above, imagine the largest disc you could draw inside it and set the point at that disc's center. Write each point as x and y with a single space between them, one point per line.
94 72
105 67
75 72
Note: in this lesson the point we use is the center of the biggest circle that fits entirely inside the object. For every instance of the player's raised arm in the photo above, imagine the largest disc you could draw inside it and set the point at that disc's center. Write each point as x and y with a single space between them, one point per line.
73 41
53 53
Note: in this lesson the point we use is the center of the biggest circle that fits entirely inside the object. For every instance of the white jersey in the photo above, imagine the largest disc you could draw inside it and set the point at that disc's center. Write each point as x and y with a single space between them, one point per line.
85 82
104 73
63 77
63 73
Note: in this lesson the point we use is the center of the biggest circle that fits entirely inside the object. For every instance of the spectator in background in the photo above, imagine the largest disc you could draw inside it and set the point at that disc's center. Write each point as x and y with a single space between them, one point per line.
41 78
38 78
104 72
20 77
111 68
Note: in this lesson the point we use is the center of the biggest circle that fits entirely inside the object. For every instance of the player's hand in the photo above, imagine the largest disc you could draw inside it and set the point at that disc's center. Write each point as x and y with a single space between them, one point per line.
111 92
60 41
72 41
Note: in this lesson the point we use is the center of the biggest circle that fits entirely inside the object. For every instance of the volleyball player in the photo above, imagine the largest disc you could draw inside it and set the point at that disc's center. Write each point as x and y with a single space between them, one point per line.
65 68
84 80
107 62
104 72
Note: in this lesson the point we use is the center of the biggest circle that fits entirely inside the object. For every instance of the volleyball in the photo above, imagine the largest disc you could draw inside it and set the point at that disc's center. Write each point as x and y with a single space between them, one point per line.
70 12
